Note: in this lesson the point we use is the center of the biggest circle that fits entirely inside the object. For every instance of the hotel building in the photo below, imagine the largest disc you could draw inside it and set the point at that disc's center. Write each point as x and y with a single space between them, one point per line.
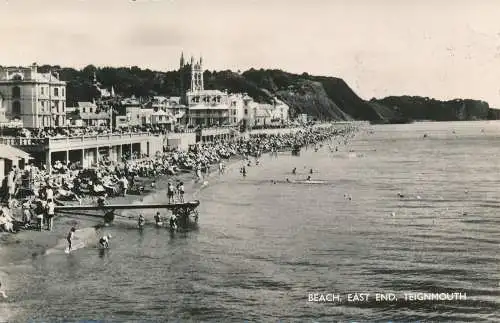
207 107
37 99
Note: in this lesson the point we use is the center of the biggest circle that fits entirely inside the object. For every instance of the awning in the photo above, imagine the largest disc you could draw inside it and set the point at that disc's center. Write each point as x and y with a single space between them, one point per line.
13 153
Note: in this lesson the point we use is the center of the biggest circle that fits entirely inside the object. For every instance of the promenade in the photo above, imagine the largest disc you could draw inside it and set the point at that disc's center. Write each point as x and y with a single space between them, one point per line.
87 150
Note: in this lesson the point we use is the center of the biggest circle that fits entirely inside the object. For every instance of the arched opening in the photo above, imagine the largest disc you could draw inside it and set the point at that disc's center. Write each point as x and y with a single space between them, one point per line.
16 92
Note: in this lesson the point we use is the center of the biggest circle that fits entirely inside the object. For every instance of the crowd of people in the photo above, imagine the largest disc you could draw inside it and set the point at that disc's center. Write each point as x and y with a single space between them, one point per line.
37 191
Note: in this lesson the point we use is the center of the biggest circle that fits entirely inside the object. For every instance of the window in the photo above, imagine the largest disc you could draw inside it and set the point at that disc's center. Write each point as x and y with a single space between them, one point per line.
42 90
16 92
16 109
56 91
246 111
63 106
62 90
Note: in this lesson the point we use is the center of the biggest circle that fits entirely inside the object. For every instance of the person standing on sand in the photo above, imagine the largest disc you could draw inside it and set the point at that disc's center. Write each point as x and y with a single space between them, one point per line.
221 167
170 193
124 182
70 236
198 172
180 189
50 214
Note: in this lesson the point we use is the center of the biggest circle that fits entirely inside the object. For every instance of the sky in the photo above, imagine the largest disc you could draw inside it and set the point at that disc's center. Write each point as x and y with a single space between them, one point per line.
437 48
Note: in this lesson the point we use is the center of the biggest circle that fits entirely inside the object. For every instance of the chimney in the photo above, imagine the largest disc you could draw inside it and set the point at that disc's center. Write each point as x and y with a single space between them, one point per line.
31 73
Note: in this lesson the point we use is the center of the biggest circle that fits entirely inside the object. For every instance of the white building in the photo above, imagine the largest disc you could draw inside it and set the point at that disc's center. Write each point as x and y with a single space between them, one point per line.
91 115
264 114
171 106
217 108
37 99
207 107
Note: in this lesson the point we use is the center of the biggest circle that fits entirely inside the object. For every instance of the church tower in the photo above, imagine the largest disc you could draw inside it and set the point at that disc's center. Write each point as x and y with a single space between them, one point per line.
196 75
182 60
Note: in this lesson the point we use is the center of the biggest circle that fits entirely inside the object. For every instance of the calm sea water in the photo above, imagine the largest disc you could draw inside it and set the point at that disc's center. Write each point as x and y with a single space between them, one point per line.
262 248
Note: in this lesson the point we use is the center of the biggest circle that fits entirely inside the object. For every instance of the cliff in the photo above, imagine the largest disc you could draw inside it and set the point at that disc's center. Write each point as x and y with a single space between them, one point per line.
423 108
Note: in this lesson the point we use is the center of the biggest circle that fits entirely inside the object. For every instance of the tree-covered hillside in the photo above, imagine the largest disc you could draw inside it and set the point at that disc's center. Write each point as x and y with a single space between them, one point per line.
326 98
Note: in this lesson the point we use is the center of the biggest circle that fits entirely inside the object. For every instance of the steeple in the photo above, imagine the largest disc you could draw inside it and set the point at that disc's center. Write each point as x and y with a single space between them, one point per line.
182 60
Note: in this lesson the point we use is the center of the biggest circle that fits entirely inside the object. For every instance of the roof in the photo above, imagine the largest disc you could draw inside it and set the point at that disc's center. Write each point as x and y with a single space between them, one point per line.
13 153
207 92
160 113
263 113
46 77
180 114
94 116
86 104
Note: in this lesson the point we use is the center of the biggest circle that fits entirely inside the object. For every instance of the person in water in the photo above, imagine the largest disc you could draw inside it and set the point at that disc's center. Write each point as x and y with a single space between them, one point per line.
2 292
311 171
308 178
173 221
141 220
244 171
104 241
70 237
101 200
294 171
158 219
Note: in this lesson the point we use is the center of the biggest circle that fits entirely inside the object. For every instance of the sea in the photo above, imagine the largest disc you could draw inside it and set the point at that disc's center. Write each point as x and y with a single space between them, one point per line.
400 213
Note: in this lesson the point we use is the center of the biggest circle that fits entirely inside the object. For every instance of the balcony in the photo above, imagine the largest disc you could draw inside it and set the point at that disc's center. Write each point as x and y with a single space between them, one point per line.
214 114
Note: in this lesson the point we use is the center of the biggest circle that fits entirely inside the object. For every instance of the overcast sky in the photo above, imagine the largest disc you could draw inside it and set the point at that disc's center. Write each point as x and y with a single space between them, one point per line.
437 48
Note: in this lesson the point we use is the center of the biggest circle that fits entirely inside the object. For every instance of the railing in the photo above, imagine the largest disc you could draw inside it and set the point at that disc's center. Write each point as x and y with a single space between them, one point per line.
110 137
31 141
23 141
214 115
